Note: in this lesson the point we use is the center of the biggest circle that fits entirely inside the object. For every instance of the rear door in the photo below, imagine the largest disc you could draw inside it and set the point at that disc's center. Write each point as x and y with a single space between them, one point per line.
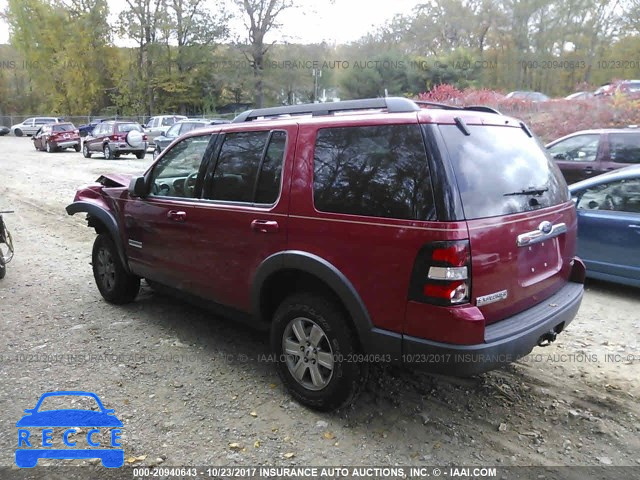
247 208
520 218
578 156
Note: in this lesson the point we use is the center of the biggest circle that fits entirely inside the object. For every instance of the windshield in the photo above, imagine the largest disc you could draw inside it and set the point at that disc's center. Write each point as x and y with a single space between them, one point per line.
63 402
501 171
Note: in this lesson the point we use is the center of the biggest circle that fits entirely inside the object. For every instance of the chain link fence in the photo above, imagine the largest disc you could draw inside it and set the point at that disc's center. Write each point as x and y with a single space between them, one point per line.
77 120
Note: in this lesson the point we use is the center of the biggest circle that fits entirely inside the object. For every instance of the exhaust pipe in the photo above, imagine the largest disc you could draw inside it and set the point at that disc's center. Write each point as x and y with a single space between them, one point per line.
547 338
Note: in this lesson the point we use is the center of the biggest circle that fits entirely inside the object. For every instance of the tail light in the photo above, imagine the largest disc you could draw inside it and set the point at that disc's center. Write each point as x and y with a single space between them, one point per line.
144 137
442 274
117 138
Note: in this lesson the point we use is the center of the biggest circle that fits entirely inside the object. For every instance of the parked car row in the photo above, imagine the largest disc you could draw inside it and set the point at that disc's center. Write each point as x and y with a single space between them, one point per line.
111 138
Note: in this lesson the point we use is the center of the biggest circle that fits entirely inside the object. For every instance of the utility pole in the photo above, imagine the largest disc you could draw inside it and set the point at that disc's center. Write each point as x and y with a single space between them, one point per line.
316 72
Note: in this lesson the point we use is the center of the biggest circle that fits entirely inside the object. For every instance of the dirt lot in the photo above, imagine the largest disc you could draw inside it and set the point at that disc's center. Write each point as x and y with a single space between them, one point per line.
190 390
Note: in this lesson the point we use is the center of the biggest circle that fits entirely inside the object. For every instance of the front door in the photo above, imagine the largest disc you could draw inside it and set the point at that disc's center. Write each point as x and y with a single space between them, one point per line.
167 229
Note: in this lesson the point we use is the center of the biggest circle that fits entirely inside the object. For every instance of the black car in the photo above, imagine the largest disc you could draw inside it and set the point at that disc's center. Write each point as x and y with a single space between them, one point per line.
4 130
180 128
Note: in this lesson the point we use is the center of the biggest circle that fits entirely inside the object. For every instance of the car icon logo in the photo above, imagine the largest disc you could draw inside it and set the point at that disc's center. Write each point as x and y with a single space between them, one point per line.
545 227
35 433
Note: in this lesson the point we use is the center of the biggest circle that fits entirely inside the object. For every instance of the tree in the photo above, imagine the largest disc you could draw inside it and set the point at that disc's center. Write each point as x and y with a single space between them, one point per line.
261 17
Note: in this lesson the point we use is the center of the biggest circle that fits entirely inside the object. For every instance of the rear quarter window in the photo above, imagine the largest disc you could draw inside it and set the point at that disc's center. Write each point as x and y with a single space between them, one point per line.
496 166
377 171
624 147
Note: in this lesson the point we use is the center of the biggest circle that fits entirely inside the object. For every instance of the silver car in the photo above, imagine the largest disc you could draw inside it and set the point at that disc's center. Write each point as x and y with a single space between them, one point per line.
159 125
31 125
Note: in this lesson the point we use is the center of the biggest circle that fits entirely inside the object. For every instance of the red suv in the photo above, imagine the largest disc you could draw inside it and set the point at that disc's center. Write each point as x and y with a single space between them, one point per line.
114 138
356 231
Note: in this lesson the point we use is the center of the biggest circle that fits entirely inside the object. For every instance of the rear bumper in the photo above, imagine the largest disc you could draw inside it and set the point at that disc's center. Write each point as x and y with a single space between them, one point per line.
123 147
505 341
67 143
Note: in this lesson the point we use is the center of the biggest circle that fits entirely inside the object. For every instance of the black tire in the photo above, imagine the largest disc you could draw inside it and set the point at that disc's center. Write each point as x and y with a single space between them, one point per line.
17 132
140 155
3 268
76 147
156 152
108 153
85 151
115 284
49 148
338 386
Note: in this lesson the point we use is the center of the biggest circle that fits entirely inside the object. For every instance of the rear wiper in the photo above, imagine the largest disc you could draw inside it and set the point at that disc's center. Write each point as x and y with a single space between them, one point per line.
529 191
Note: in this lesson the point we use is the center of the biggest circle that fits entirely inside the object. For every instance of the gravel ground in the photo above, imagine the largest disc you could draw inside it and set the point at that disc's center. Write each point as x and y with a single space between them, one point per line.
191 390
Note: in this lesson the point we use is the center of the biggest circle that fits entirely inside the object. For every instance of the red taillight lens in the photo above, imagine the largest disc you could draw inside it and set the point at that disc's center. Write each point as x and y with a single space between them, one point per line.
441 273
115 138
144 137
455 255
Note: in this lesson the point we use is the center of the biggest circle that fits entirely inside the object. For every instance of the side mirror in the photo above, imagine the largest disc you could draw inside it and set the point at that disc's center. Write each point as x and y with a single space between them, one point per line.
138 187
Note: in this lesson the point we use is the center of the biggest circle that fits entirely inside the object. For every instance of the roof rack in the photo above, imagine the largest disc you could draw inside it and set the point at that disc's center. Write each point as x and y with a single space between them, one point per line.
391 104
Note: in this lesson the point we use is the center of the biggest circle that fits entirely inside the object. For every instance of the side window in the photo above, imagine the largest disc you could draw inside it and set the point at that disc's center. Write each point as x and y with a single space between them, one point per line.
268 187
620 196
624 147
234 178
581 148
166 121
176 174
377 171
28 121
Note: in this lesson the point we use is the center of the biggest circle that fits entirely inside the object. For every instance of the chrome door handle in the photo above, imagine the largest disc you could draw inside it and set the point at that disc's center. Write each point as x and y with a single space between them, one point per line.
177 215
265 226
633 225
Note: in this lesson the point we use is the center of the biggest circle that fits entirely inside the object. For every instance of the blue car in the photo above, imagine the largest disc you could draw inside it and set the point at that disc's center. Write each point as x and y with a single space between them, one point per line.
44 421
608 209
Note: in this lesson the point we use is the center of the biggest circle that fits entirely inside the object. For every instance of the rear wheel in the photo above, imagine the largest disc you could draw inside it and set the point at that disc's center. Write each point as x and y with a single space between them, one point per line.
116 285
314 347
140 155
108 153
85 151
76 147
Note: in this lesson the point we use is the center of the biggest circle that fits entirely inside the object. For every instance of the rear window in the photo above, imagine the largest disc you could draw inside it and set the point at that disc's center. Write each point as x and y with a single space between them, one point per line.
127 127
624 147
502 171
378 171
63 128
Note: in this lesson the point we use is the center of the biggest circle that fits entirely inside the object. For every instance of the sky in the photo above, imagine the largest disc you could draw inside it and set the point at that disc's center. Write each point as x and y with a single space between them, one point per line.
313 21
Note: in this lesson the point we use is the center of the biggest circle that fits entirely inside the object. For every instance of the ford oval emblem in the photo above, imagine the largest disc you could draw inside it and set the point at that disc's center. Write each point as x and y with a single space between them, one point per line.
545 227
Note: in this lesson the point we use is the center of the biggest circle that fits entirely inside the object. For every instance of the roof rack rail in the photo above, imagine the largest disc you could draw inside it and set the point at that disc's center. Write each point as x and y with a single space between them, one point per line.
444 106
391 104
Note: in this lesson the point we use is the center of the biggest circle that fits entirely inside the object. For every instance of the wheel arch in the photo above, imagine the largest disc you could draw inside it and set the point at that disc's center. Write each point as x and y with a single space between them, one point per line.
286 272
102 221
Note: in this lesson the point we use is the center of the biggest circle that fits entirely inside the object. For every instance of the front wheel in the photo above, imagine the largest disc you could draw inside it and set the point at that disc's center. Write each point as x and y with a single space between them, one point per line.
315 350
3 267
116 285
76 147
85 151
17 132
49 148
